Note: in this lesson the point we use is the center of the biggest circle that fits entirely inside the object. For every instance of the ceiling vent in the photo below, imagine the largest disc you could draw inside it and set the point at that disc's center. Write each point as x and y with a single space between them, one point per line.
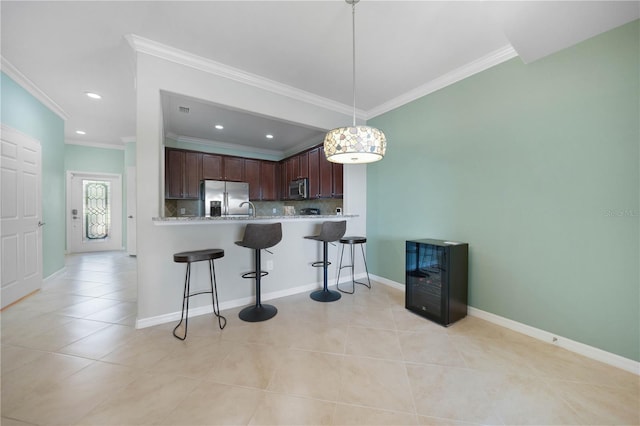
183 109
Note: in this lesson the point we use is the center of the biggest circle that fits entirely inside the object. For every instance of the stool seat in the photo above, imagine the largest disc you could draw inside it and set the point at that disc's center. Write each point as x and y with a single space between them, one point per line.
198 255
353 240
190 257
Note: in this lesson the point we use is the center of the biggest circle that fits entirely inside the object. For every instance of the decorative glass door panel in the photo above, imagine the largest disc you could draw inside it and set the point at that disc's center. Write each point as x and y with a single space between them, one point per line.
97 217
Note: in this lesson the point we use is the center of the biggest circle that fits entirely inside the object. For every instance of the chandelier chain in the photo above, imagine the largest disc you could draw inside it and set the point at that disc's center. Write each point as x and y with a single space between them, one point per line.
353 46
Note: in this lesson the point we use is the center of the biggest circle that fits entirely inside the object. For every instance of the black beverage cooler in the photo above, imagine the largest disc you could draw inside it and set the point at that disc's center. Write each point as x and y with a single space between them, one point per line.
436 279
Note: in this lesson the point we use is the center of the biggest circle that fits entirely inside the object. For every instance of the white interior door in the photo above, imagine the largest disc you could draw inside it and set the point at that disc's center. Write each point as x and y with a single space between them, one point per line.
94 212
21 216
131 211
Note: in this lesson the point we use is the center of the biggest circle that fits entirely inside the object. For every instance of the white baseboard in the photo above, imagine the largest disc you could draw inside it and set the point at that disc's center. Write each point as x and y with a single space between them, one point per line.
55 275
230 304
387 282
571 345
563 342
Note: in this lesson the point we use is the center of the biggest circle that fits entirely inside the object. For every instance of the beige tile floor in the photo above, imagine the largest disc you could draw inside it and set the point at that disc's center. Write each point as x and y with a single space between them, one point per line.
70 356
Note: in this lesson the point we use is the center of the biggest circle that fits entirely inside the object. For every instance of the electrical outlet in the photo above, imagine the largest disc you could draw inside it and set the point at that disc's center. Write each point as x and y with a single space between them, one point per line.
182 210
269 265
274 210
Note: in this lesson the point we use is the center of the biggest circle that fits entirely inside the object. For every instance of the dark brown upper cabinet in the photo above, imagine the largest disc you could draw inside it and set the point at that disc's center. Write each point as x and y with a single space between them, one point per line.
233 168
182 174
212 167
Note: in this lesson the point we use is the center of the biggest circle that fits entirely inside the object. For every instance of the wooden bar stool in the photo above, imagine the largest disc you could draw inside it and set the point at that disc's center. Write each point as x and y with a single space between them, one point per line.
189 257
329 232
352 241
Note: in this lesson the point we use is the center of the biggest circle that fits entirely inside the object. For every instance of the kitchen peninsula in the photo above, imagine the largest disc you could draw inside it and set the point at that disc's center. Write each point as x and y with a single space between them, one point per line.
288 262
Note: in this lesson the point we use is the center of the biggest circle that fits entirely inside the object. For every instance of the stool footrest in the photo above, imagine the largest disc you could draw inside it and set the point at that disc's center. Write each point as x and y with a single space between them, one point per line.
253 274
320 264
200 292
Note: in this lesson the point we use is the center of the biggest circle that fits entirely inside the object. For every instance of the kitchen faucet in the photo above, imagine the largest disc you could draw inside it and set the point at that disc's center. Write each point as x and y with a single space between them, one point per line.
253 208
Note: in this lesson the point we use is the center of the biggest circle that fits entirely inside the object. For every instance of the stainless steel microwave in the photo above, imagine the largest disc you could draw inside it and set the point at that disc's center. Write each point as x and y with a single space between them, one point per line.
298 189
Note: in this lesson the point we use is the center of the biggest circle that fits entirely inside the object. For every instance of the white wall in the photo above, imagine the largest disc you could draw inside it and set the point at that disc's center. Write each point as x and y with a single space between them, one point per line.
159 279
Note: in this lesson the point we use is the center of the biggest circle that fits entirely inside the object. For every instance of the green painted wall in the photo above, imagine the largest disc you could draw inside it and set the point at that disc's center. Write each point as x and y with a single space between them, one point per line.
21 111
81 158
536 167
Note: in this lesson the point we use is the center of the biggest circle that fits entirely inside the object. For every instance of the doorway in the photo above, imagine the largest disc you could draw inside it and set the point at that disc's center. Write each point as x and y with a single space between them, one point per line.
94 212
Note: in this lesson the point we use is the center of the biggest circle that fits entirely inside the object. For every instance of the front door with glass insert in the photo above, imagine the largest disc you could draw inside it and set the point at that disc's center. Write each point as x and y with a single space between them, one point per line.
94 212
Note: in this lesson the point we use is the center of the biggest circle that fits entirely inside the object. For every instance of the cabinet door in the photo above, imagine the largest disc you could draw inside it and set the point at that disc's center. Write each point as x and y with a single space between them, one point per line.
303 165
293 169
192 174
338 184
268 181
252 176
314 173
284 180
212 167
233 168
326 177
288 170
173 173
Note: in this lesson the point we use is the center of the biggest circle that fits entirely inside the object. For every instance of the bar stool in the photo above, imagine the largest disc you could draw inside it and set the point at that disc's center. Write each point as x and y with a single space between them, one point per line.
329 232
189 257
352 241
259 237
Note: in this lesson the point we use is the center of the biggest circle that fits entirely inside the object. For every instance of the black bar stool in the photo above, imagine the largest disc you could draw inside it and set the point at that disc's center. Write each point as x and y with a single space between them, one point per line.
352 241
329 232
259 237
189 257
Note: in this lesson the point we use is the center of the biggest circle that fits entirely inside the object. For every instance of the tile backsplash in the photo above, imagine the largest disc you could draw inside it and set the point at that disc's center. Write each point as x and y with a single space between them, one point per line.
173 208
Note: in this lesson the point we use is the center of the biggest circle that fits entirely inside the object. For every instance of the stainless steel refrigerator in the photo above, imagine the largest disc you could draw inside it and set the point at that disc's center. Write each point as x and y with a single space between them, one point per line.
222 198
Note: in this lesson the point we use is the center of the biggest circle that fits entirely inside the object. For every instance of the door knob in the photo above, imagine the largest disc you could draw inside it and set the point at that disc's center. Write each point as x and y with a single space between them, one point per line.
40 224
130 217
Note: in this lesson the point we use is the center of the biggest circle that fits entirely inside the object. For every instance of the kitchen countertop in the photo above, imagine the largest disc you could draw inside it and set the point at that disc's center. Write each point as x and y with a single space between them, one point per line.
199 220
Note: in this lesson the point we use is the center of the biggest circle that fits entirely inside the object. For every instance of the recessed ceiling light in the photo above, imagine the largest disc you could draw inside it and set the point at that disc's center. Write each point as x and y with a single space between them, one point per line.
269 136
219 126
93 95
81 132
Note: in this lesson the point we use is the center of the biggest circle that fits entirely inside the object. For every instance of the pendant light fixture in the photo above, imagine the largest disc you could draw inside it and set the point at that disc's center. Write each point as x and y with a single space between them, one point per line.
355 144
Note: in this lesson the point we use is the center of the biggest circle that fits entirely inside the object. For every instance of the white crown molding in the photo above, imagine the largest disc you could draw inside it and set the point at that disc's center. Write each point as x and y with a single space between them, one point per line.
494 58
93 144
30 87
162 51
224 145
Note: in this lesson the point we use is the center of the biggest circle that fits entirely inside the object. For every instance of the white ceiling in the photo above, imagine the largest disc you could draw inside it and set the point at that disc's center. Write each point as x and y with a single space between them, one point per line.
404 49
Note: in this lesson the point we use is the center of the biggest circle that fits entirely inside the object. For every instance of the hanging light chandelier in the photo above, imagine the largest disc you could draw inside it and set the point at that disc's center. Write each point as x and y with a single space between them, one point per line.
355 144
